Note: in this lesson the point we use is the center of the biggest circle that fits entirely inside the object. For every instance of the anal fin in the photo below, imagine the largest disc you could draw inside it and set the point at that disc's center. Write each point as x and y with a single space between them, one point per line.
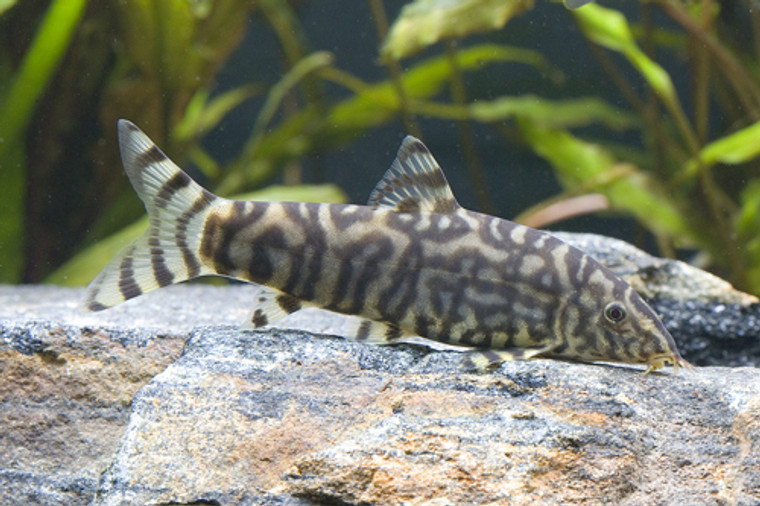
270 306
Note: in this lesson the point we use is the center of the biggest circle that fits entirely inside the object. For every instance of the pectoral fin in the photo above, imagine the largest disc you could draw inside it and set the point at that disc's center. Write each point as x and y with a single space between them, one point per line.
485 360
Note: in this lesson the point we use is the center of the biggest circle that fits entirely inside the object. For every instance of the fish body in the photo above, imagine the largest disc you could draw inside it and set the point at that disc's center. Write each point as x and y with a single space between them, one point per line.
411 262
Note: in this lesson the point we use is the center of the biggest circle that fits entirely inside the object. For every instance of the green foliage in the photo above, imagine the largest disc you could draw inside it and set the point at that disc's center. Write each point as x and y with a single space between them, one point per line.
567 113
202 115
610 29
575 4
748 230
16 109
375 104
735 148
371 106
171 51
587 166
425 22
681 181
6 4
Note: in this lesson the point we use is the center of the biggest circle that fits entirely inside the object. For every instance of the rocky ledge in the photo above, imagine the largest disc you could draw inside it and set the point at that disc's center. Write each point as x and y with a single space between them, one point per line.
163 401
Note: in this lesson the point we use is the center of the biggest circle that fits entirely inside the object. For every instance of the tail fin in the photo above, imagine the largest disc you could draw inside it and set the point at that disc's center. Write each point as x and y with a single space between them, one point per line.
168 251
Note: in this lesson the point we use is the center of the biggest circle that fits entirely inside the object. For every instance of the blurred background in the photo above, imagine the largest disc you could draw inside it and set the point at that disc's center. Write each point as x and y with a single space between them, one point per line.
638 120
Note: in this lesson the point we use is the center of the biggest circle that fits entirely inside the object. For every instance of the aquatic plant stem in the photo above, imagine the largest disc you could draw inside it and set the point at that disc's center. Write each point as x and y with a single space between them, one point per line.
394 69
285 24
621 82
649 110
719 204
236 177
755 19
283 20
459 95
656 138
702 76
345 79
747 90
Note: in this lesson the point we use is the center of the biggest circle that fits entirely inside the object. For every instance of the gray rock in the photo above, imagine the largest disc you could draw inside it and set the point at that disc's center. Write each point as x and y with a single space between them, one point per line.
245 418
163 401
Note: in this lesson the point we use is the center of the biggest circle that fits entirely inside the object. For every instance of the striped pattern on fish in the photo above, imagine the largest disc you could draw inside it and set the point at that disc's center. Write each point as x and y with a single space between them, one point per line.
411 262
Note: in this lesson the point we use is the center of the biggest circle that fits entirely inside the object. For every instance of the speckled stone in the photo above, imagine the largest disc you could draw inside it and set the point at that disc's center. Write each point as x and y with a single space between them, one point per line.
335 422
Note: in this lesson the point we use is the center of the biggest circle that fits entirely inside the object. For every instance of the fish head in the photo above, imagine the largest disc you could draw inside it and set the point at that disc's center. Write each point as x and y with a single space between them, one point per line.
621 327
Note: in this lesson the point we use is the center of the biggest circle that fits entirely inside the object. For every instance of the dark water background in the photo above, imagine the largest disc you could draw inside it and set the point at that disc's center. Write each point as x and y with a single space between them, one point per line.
516 178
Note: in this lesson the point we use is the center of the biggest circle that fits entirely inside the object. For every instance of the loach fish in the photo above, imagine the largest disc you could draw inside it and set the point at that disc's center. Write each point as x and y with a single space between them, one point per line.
410 263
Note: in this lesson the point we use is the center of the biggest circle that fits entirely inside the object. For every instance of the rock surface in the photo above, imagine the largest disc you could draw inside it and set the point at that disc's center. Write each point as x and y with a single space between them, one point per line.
251 418
163 401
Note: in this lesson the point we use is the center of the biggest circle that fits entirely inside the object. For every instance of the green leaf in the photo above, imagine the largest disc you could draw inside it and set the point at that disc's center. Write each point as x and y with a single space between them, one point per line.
82 268
566 113
158 36
326 193
277 93
609 28
39 63
738 147
606 27
378 103
372 105
6 4
18 105
169 49
425 22
12 215
202 115
583 164
176 23
748 233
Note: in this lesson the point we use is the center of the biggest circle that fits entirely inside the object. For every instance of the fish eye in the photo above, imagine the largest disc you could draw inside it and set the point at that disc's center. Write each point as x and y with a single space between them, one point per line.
615 312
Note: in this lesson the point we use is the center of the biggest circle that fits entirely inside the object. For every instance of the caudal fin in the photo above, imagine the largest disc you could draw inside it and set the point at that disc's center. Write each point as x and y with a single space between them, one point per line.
168 251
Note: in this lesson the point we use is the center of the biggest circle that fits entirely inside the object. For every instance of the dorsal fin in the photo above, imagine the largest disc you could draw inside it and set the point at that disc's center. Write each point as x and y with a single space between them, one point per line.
415 182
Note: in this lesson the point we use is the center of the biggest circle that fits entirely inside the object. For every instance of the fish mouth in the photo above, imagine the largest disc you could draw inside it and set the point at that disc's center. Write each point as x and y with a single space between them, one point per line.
656 362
